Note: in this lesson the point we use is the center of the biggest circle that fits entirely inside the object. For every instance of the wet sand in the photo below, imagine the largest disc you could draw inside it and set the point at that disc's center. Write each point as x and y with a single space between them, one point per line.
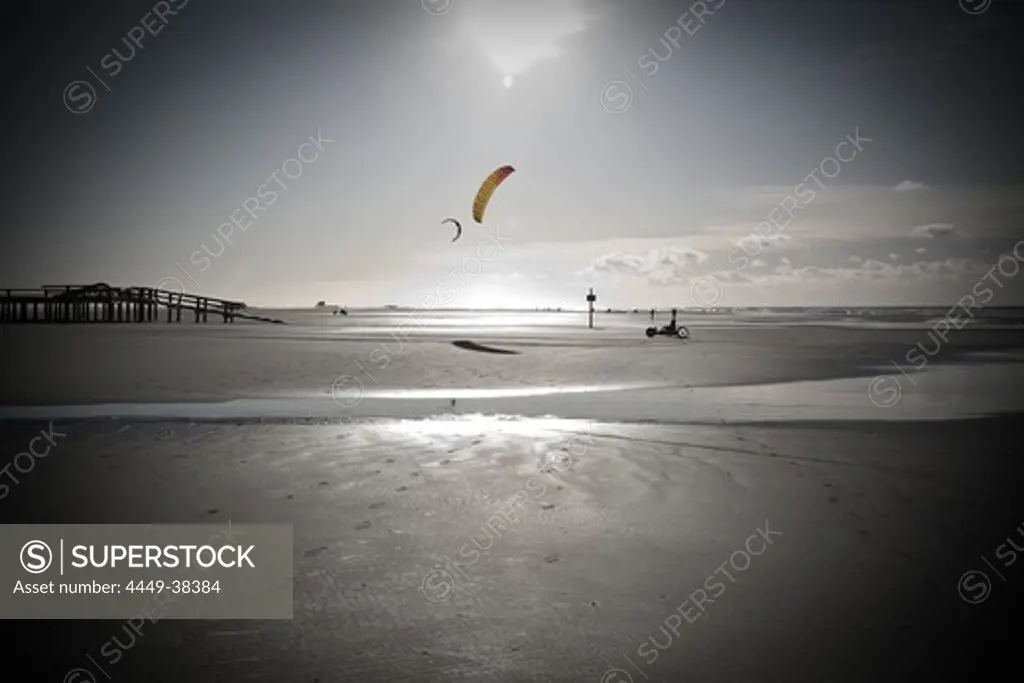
870 529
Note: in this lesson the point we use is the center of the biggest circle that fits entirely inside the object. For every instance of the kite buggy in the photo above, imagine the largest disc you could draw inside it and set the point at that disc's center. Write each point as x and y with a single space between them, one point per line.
670 330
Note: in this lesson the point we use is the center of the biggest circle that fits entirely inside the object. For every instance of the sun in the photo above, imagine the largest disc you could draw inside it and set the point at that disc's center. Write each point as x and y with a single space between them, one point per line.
508 81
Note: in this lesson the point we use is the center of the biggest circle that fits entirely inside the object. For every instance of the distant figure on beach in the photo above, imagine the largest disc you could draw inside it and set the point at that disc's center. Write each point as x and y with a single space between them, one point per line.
652 315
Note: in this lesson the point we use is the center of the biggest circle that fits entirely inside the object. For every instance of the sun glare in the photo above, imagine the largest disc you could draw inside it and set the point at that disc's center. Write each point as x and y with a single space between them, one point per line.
515 36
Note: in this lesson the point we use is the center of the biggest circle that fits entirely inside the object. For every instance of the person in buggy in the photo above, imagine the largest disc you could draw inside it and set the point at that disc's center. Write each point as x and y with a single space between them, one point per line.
672 326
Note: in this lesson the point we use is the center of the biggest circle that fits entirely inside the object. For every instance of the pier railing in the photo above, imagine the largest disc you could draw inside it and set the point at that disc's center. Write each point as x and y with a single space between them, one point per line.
102 303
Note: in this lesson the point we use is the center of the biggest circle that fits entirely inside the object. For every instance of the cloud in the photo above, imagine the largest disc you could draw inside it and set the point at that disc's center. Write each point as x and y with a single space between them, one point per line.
921 250
618 264
757 263
678 256
856 259
769 241
933 230
910 186
894 257
669 265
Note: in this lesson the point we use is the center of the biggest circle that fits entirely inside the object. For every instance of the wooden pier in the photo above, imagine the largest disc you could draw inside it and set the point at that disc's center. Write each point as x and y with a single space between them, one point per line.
101 303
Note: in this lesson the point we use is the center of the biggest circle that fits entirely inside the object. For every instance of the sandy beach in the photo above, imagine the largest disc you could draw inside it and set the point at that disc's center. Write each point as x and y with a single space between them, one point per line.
735 507
359 355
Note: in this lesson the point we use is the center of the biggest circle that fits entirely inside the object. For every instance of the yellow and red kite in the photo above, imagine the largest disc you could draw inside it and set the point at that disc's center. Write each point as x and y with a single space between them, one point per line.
483 195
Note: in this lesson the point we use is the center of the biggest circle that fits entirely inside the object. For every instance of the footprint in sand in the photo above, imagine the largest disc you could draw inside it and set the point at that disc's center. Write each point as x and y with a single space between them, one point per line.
362 526
553 557
315 551
415 474
389 460
377 505
446 462
402 488
547 506
212 511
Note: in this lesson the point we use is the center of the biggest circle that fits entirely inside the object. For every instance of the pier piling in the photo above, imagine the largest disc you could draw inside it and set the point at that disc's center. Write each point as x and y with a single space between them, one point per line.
100 302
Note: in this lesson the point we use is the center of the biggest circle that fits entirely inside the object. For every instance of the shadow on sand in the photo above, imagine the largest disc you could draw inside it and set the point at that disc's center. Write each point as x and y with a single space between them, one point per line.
473 346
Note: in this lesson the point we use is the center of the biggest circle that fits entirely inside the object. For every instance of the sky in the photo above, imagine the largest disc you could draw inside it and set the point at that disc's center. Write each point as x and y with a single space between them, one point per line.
715 153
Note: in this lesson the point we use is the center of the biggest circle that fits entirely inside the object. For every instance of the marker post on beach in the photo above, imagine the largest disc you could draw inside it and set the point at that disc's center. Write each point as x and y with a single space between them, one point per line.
591 298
